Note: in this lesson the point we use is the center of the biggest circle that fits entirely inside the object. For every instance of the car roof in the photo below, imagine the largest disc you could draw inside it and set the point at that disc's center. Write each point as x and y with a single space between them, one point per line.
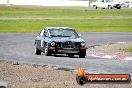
58 28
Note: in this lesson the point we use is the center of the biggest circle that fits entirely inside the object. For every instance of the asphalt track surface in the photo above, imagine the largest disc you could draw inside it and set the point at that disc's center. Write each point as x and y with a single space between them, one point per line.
19 47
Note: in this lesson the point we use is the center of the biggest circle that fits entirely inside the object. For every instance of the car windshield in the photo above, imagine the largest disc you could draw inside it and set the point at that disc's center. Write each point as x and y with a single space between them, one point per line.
63 33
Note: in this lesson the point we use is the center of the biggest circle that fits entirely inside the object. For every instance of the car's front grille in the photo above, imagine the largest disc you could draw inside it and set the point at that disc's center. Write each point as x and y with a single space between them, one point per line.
68 44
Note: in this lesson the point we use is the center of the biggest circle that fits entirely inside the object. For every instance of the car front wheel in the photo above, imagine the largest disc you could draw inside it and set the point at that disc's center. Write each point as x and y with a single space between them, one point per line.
37 51
118 7
81 56
47 50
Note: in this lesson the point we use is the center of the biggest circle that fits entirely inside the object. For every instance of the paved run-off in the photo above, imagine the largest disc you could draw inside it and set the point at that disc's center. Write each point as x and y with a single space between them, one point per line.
19 47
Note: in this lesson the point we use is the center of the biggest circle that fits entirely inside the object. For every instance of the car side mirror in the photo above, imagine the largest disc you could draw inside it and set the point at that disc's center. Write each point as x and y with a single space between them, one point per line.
79 35
41 34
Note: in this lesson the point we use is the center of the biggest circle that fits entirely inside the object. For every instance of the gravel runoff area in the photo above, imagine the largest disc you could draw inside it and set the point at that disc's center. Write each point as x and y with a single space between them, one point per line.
119 48
33 76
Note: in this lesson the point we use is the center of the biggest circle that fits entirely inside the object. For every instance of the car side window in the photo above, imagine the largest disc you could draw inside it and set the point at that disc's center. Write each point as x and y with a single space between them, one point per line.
45 33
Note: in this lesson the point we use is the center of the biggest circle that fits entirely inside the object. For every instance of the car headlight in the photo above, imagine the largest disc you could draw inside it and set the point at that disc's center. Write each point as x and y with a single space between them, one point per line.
52 43
83 44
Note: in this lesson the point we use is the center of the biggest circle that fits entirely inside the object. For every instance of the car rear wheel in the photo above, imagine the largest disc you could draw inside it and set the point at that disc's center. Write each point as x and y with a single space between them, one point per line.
37 51
109 7
95 7
47 50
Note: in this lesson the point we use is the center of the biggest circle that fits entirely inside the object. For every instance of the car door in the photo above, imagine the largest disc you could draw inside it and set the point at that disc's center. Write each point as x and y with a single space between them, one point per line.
102 4
40 40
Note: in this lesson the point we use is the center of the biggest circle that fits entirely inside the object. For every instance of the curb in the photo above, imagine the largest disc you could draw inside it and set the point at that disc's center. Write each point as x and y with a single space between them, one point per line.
102 55
91 52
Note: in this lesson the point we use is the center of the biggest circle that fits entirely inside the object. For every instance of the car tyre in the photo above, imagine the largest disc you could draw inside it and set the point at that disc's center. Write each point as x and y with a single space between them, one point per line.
118 7
47 50
82 55
95 7
37 51
109 7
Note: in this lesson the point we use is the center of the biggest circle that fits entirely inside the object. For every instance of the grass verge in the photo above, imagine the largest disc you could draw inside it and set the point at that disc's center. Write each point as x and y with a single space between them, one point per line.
91 25
81 18
62 12
129 49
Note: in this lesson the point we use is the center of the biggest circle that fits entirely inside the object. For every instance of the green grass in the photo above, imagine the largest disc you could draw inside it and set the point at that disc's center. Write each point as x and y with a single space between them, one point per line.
34 18
129 49
95 25
62 12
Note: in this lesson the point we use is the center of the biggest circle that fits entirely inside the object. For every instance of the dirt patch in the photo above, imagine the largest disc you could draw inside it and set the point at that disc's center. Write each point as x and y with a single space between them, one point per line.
115 49
32 76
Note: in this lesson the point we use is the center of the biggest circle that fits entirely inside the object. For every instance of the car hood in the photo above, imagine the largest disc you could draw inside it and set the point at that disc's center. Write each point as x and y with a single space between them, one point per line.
64 39
113 3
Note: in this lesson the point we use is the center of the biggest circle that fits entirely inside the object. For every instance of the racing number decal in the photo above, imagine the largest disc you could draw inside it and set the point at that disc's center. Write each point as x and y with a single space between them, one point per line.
41 43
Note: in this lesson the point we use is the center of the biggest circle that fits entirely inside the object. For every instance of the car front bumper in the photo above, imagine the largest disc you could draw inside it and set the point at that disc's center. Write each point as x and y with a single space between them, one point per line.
55 50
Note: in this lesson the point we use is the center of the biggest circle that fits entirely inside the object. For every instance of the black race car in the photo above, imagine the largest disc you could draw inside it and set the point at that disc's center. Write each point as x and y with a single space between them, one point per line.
60 40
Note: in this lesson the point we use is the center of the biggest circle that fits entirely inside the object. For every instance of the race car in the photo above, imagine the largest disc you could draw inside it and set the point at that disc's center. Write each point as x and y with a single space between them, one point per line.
60 40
